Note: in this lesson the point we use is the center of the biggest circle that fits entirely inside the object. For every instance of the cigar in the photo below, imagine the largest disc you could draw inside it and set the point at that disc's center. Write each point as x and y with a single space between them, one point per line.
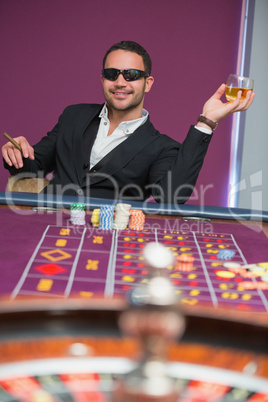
16 145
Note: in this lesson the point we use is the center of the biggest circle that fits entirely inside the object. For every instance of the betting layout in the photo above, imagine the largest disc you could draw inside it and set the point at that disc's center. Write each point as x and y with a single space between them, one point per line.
88 261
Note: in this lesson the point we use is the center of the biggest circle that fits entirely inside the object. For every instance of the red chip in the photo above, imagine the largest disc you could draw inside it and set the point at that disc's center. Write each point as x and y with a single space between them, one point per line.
185 258
137 219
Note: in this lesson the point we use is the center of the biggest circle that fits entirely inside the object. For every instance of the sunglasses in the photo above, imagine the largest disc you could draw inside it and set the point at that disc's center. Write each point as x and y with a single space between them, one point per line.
129 74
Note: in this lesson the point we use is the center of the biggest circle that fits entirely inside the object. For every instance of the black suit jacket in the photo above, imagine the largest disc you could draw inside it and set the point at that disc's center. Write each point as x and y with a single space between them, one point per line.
147 163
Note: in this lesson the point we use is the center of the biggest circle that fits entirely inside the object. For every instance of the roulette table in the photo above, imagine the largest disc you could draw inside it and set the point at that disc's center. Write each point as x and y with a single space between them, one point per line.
65 287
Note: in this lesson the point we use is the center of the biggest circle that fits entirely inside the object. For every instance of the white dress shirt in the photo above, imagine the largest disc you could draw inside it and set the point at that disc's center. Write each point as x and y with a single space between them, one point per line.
105 143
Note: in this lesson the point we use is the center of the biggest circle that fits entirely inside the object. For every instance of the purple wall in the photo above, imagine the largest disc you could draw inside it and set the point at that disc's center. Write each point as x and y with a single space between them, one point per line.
51 53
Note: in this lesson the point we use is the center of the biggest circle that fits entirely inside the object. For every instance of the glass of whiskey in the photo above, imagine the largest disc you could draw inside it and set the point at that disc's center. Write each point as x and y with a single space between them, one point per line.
236 83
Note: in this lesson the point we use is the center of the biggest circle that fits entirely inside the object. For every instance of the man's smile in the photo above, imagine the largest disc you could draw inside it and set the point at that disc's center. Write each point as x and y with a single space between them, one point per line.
116 91
120 94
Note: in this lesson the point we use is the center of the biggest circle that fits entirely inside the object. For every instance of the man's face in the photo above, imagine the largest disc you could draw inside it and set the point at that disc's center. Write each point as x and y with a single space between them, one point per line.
122 95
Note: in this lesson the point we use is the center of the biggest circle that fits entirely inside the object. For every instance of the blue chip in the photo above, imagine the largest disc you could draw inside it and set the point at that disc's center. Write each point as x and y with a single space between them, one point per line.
226 254
106 217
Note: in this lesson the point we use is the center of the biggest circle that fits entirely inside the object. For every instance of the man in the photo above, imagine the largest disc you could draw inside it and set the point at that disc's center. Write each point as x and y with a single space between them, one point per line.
113 150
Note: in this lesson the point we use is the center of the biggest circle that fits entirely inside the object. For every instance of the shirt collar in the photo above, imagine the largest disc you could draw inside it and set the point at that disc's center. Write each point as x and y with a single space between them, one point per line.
127 126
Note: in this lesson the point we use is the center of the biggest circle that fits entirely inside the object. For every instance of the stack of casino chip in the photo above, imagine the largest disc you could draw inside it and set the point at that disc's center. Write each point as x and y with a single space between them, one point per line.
122 215
184 262
259 270
78 214
106 217
95 218
137 219
226 254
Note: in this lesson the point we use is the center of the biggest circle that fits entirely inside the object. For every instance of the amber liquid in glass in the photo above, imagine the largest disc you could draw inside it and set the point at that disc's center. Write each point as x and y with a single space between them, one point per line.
231 92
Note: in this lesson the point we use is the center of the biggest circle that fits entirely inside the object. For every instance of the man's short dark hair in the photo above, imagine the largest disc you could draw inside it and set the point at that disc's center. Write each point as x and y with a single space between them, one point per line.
134 47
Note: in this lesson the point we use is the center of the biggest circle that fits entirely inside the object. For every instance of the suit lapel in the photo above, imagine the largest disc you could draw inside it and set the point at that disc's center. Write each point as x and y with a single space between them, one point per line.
123 153
78 143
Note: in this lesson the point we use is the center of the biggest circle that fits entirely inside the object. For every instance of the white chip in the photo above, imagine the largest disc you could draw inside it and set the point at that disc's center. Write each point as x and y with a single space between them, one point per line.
231 265
264 278
122 208
78 217
251 267
258 270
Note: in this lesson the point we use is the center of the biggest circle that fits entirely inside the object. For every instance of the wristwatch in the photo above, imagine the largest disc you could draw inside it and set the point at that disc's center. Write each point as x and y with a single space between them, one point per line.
208 122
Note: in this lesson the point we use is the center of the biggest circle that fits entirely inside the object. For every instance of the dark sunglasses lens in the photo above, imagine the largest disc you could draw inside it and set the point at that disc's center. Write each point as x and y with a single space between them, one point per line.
131 75
110 74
